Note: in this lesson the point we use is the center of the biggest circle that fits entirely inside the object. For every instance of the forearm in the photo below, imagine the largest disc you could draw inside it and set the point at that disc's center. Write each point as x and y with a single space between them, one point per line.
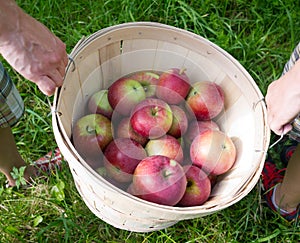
31 48
293 82
10 17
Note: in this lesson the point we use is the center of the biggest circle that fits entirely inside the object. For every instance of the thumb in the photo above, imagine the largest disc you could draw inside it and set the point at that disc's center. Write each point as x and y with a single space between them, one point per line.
46 85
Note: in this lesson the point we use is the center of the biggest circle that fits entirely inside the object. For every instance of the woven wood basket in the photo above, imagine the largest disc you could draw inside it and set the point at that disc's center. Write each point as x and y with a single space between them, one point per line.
110 53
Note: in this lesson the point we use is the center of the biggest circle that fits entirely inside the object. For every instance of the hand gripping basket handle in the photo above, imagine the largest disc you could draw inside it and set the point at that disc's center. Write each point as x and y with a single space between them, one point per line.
73 53
71 64
282 134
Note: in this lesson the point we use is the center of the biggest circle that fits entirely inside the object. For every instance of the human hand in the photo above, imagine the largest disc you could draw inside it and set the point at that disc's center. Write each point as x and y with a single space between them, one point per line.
283 101
35 52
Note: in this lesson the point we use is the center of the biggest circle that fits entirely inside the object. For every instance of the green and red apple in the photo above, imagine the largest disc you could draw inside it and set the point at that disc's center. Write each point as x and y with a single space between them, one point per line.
196 127
167 146
124 94
198 187
180 122
91 134
148 79
98 103
213 151
205 100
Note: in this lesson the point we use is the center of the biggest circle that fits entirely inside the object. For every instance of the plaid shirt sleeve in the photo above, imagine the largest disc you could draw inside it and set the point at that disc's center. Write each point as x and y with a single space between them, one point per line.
294 134
11 103
293 58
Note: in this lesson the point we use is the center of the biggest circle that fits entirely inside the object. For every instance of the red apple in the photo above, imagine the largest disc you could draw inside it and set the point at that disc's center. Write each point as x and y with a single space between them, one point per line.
91 134
196 127
121 157
181 142
173 86
103 172
213 151
167 146
95 162
205 100
98 103
159 179
125 130
180 122
130 189
198 187
148 79
151 118
124 94
213 179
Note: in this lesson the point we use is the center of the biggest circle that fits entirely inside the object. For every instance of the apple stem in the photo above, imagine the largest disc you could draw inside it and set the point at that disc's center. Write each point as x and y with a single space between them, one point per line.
90 129
182 70
167 173
189 183
154 110
102 171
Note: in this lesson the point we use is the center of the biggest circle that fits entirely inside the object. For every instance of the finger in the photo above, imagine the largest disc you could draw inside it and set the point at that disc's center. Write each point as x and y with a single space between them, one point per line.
272 123
56 77
46 85
280 129
59 56
286 128
62 69
63 52
276 130
65 60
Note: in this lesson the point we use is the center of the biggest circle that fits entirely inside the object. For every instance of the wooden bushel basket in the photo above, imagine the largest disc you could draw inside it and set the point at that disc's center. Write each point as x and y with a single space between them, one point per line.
110 53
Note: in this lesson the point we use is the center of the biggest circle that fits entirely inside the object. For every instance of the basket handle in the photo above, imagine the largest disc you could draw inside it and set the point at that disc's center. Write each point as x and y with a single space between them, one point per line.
282 134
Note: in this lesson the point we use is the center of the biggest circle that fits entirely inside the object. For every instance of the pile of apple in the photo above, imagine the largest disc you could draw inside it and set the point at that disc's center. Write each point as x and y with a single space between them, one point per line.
154 135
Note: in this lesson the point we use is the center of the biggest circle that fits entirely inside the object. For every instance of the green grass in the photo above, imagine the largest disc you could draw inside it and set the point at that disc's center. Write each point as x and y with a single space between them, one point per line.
259 34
